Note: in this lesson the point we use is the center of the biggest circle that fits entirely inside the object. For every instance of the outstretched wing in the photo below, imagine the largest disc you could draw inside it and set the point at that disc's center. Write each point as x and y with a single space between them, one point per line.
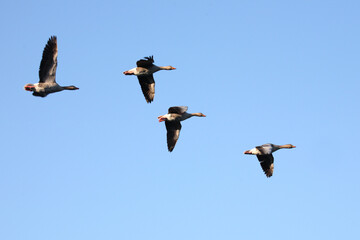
145 63
147 84
47 70
178 109
173 132
267 164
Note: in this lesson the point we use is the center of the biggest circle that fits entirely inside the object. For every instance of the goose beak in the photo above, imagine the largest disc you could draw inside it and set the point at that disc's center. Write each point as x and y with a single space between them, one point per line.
247 152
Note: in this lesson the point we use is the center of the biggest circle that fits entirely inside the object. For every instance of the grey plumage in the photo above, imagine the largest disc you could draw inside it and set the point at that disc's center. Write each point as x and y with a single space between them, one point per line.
172 122
265 157
47 72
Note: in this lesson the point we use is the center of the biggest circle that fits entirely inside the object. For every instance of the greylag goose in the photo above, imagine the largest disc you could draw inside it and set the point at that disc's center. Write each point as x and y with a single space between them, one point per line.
144 72
47 72
173 125
265 157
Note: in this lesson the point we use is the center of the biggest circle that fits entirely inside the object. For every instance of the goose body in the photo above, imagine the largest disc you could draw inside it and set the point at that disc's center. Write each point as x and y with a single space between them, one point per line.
172 122
265 157
144 72
47 72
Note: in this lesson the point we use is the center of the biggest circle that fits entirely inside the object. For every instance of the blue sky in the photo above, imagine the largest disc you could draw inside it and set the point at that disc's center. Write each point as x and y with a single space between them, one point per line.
93 164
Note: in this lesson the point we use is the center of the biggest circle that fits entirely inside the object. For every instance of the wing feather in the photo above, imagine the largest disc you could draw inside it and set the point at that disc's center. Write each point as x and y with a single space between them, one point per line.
145 63
267 164
173 132
147 84
48 64
178 109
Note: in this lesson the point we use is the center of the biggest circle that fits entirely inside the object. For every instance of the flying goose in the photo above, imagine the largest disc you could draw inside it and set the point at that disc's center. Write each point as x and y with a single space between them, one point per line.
265 157
144 72
172 122
47 72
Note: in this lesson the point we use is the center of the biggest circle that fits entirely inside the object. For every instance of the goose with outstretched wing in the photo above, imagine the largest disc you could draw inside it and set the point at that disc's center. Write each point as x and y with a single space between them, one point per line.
47 72
144 71
172 122
265 157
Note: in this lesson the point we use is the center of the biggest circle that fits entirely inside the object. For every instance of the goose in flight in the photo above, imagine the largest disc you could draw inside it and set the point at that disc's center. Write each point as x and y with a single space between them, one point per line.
144 71
172 122
47 72
265 157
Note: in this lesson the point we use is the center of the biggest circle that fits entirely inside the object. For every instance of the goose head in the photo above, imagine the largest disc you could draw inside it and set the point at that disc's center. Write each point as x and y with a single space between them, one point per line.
167 68
198 114
72 87
288 146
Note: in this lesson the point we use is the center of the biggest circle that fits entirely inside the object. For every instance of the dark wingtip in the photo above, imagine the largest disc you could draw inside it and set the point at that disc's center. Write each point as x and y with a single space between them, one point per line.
53 39
150 58
170 148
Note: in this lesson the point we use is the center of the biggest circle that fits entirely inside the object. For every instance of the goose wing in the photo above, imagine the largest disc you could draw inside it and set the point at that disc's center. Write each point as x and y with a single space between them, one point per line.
147 84
173 132
178 109
267 164
145 63
47 70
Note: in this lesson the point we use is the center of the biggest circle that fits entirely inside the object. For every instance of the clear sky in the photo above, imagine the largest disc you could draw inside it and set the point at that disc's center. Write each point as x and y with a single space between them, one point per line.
93 164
